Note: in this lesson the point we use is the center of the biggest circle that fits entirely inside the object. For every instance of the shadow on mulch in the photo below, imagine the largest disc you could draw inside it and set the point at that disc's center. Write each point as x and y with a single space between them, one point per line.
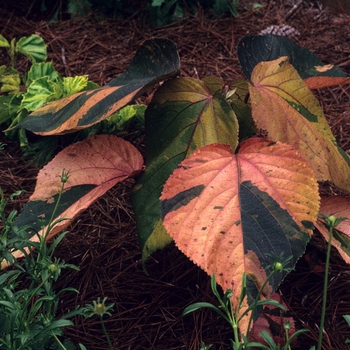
103 240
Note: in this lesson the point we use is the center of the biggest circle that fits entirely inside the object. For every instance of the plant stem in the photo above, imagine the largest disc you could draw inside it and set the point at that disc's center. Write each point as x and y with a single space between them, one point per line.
106 334
58 341
236 336
325 287
257 298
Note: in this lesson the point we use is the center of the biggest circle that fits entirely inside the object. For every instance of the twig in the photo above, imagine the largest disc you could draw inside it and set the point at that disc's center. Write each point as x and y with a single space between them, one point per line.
293 9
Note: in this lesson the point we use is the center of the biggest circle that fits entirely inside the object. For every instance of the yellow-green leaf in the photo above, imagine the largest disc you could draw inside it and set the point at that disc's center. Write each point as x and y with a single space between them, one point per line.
72 85
283 105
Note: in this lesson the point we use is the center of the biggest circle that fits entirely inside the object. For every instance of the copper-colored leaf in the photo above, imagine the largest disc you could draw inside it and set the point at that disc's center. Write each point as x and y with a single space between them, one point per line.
227 211
95 165
94 161
284 106
321 82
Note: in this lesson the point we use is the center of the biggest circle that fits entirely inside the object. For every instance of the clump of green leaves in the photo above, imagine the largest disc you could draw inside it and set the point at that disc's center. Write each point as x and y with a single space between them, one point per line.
158 12
22 93
28 299
162 12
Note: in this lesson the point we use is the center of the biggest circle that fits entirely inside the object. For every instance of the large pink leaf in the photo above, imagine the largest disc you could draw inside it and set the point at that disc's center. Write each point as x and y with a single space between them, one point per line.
226 212
95 165
94 161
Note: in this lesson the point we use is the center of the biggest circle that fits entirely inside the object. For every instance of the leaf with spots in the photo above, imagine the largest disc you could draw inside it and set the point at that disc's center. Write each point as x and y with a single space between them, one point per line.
95 165
185 114
285 107
227 211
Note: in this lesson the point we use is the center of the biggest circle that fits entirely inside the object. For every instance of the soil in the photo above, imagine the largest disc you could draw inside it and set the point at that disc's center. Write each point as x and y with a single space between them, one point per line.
103 240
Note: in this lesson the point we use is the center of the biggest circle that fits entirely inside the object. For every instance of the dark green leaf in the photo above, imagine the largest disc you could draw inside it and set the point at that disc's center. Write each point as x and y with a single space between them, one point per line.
155 60
183 116
253 49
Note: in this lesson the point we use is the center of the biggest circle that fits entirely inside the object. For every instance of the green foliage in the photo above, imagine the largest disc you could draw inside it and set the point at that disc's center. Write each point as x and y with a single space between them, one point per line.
347 319
162 12
332 222
23 93
222 7
28 299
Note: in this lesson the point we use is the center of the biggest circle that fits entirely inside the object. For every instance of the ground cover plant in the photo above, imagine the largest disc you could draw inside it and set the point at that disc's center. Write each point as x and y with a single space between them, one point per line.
23 93
219 108
28 297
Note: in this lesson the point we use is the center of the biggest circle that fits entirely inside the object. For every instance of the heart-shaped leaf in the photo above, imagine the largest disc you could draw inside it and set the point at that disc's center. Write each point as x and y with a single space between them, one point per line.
226 212
155 60
184 115
284 106
95 165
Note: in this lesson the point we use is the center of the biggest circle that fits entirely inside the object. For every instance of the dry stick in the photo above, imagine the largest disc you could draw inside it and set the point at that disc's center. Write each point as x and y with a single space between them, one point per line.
293 9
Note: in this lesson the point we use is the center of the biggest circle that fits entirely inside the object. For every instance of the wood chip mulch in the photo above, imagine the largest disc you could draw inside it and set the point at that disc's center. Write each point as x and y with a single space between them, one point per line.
103 240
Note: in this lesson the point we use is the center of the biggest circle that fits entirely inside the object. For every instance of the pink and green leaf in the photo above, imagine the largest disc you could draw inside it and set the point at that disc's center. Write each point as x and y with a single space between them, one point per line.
226 212
95 165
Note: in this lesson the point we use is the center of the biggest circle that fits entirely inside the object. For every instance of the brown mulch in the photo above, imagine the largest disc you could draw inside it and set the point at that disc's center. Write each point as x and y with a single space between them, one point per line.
103 240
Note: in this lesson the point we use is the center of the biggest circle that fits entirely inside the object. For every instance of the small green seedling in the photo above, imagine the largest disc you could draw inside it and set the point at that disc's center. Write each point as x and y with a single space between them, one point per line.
234 318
